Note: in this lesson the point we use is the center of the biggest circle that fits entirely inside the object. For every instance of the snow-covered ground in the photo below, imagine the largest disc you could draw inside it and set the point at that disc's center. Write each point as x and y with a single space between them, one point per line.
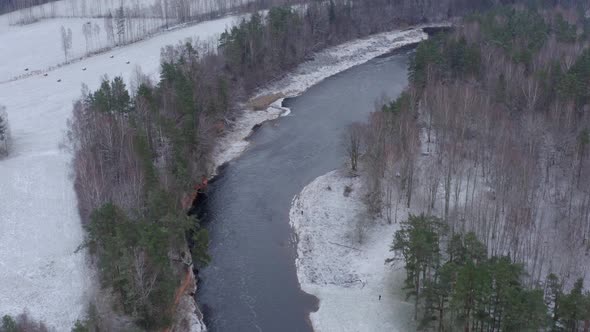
324 64
40 228
346 275
37 46
43 49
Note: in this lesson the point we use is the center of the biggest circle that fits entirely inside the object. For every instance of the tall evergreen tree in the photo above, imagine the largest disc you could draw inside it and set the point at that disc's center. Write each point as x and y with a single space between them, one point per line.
3 128
4 132
120 24
418 242
573 307
553 294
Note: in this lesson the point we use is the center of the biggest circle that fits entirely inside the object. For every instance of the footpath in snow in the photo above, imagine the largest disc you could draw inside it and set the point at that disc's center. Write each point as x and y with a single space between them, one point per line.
346 275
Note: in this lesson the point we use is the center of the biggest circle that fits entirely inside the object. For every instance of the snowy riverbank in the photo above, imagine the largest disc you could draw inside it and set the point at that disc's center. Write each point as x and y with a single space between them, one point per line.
346 275
347 281
326 63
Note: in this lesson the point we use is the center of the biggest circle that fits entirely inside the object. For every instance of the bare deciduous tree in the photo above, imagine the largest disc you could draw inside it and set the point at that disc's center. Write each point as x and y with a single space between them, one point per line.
66 41
353 144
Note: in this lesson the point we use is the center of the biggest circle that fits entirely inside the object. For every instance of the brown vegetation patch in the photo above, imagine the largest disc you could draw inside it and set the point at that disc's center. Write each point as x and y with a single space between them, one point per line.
263 102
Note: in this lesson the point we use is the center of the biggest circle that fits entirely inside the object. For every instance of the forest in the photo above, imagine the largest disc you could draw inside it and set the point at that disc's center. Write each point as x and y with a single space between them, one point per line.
12 5
490 144
456 286
139 153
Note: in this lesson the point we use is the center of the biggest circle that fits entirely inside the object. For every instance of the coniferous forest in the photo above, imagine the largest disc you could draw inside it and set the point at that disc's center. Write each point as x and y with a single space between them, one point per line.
491 141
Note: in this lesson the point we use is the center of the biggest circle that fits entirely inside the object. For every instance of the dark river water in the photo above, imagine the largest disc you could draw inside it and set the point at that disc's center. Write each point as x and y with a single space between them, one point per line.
251 283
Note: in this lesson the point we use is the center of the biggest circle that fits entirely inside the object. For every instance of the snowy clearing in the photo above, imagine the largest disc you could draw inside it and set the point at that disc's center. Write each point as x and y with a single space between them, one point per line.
347 276
44 47
91 31
324 64
40 227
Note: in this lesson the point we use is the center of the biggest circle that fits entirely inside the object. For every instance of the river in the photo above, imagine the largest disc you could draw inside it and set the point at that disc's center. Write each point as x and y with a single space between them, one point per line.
251 283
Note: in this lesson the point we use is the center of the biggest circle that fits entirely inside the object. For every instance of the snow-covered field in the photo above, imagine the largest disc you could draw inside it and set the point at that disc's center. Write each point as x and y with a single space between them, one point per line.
44 47
37 46
347 276
40 229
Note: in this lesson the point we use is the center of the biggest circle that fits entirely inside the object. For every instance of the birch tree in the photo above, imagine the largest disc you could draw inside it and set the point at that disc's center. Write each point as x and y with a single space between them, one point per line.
66 41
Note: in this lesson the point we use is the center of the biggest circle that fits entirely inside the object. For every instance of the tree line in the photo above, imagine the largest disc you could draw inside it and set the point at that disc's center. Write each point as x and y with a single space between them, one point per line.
24 323
124 25
13 5
4 132
492 137
455 285
21 323
167 12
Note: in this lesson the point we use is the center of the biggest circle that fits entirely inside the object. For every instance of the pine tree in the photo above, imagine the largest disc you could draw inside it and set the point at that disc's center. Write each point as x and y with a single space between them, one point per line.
111 97
121 101
437 294
554 292
108 26
418 242
9 324
3 128
120 21
572 306
4 132
66 41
